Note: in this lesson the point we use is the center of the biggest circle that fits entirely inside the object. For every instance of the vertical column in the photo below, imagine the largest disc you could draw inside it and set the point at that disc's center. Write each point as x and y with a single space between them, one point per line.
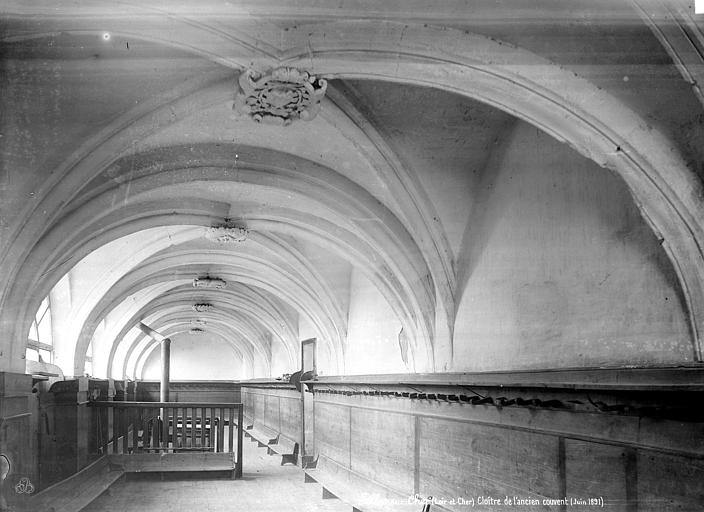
164 390
165 356
165 369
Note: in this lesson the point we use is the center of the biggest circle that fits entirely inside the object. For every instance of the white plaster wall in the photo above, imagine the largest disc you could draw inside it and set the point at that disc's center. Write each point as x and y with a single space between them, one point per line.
196 357
279 360
372 341
561 270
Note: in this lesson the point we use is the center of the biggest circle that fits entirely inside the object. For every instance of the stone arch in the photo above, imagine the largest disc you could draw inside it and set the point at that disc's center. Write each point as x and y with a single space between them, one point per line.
531 88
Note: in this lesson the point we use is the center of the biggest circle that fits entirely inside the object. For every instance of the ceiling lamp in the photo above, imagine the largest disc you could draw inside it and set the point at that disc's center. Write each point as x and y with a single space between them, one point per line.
202 307
209 282
280 96
226 234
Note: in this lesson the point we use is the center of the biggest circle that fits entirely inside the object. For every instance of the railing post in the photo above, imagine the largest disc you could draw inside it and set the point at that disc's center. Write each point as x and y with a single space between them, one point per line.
221 430
230 429
165 427
202 426
240 427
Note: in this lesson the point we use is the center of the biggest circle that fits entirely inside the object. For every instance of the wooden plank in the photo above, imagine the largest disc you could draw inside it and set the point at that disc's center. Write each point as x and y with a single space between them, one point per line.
125 429
668 482
271 412
177 462
175 428
678 378
104 432
166 414
382 447
77 491
332 432
240 447
203 424
158 405
631 430
134 420
192 427
495 462
291 419
594 470
356 490
230 429
114 426
221 432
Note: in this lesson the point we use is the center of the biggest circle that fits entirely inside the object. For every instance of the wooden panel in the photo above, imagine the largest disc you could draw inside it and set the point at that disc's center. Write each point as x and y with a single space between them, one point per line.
332 432
382 448
17 441
668 482
192 391
258 408
248 399
362 492
494 461
271 411
685 437
291 418
596 470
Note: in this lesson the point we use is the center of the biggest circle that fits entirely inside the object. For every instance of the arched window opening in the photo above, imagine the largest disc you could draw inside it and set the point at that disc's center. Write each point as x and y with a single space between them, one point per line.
40 346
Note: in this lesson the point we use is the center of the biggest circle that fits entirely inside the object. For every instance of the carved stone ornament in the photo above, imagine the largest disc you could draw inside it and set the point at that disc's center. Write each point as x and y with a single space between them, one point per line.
226 234
280 97
209 282
202 307
197 330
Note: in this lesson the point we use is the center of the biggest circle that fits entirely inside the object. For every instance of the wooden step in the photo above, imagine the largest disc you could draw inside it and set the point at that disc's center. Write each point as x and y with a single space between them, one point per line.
359 492
77 491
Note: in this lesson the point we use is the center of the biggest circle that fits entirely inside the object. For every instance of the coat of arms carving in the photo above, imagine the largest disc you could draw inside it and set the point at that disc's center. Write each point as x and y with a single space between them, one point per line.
280 97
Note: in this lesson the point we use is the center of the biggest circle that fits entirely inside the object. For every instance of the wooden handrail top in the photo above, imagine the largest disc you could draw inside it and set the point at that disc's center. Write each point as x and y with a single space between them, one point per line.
679 378
172 405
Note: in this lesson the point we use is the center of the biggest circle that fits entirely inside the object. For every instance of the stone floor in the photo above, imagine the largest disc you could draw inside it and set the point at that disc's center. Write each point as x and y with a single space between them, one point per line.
265 486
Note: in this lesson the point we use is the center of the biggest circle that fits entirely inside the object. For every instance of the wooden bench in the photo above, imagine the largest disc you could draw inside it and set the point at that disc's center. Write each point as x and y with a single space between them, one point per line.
194 461
359 492
260 434
78 490
287 448
274 442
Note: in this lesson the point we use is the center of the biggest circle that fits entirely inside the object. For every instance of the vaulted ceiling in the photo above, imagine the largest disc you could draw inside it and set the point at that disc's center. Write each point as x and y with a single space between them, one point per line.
122 149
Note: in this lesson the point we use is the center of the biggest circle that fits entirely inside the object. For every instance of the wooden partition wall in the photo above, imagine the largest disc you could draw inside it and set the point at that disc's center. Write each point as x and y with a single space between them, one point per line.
275 406
631 440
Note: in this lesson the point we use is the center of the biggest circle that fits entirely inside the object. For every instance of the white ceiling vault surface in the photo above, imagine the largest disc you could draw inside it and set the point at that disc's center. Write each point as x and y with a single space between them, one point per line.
369 226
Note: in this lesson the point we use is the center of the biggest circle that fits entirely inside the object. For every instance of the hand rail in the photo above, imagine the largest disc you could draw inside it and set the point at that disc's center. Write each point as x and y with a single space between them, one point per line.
169 427
151 405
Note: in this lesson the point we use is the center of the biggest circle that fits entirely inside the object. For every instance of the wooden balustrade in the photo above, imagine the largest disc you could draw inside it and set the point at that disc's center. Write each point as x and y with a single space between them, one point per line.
134 428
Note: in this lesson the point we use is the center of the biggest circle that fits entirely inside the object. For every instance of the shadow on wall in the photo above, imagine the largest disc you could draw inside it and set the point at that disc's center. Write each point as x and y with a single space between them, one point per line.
564 272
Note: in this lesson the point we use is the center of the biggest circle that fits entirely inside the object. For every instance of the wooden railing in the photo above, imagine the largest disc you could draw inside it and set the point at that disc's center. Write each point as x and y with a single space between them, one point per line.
127 428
